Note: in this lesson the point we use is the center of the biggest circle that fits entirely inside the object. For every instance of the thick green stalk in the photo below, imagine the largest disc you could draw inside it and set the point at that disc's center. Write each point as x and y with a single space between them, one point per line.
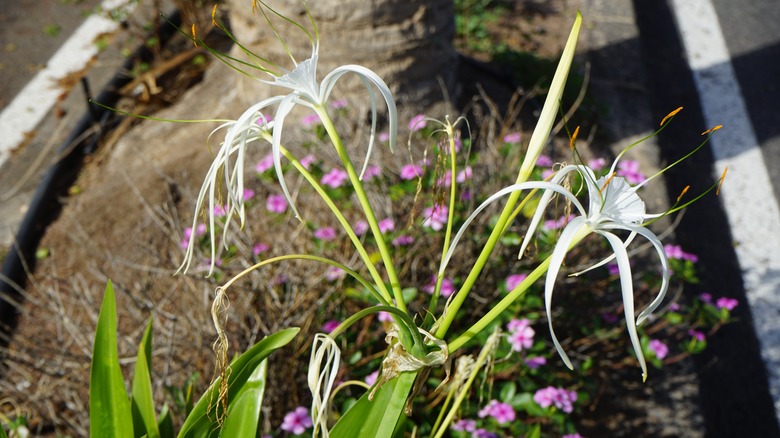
373 224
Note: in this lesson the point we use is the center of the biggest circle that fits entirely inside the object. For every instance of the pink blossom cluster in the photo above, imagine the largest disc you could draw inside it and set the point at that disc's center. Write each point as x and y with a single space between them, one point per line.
502 412
676 252
514 280
658 348
435 217
629 169
521 334
561 398
554 224
188 232
334 179
297 421
447 286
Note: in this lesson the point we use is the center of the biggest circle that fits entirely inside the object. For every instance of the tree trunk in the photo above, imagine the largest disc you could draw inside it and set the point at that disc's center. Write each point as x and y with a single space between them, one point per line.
407 43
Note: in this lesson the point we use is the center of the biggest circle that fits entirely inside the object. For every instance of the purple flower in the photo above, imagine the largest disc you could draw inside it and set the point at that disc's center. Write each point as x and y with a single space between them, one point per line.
554 224
329 326
383 136
338 103
513 280
726 303
310 120
335 178
597 163
706 297
609 317
502 412
483 433
659 348
410 171
673 307
360 227
435 217
306 161
259 248
464 175
572 435
325 233
445 180
372 172
297 421
266 163
544 161
248 194
417 122
276 204
513 137
371 378
199 231
699 336
219 210
546 173
264 120
447 286
629 169
561 398
464 425
403 240
384 316
386 225
535 362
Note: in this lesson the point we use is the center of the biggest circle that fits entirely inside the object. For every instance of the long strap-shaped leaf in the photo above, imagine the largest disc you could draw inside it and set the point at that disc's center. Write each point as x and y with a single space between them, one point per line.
109 406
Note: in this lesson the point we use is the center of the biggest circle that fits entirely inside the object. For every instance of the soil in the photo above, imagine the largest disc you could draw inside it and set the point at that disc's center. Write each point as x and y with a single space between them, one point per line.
124 222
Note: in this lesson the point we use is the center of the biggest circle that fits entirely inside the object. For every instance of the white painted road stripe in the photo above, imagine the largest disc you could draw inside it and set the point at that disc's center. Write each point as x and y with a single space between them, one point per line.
747 194
37 98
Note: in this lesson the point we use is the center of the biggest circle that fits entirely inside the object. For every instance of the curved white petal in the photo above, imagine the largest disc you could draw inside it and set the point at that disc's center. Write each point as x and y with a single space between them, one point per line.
659 249
556 260
392 112
285 106
323 369
627 288
543 201
626 242
503 192
302 80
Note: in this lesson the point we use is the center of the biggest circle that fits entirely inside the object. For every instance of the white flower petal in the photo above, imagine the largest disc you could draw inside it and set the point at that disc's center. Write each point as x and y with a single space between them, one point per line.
285 106
323 369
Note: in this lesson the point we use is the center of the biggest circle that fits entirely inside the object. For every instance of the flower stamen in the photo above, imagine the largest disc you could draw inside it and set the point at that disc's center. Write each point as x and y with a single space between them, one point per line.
684 191
670 115
720 183
711 130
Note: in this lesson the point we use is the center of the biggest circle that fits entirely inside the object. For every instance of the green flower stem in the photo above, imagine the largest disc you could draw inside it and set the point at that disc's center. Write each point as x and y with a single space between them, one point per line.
502 305
407 329
363 199
341 266
344 224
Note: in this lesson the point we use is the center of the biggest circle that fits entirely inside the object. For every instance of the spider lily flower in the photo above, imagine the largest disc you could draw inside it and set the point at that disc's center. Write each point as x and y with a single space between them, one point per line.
304 90
614 205
323 369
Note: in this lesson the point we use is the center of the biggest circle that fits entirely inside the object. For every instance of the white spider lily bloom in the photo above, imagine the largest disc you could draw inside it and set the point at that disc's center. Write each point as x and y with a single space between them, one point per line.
614 205
323 369
305 91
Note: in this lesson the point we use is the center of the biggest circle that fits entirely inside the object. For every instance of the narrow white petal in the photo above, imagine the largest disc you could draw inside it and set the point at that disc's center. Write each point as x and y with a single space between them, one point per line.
627 242
627 288
503 192
556 260
323 370
284 109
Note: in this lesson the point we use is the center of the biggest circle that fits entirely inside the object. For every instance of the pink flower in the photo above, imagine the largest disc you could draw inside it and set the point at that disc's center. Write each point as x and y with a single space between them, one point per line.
310 120
555 224
447 287
464 175
371 378
435 217
502 412
597 163
629 169
706 297
338 103
259 248
325 233
410 171
699 336
276 204
264 120
219 210
384 316
513 280
673 307
266 163
521 335
383 136
544 161
248 194
386 225
535 362
306 161
372 172
417 122
297 421
483 433
360 227
546 173
572 435
199 231
726 303
334 273
561 398
513 137
329 326
403 240
445 180
464 425
676 252
658 348
334 178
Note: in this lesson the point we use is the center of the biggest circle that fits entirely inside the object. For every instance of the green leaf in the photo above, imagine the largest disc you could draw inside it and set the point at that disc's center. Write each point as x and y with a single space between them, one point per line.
142 401
378 417
2 431
244 412
165 423
109 406
202 419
